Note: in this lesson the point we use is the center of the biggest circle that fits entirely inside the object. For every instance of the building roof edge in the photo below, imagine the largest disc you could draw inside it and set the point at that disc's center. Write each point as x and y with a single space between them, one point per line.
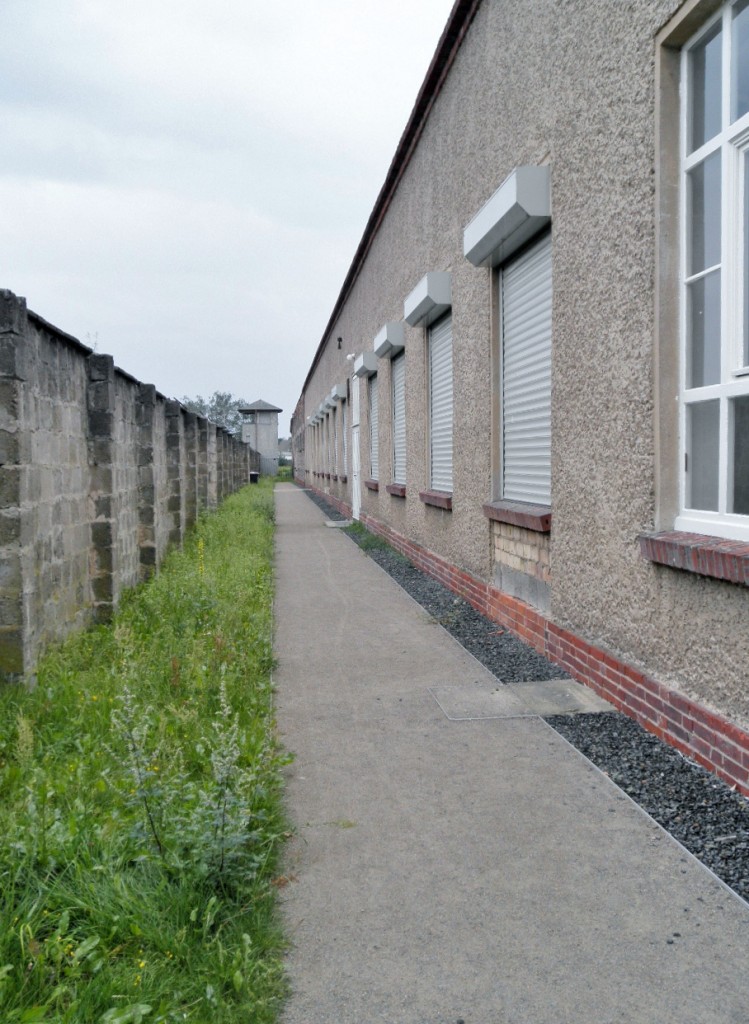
450 41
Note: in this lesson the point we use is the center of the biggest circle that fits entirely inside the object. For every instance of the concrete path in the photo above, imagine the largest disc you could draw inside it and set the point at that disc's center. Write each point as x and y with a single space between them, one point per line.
479 871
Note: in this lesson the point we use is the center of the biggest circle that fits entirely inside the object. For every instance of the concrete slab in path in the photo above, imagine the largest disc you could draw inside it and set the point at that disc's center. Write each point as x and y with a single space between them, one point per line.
479 870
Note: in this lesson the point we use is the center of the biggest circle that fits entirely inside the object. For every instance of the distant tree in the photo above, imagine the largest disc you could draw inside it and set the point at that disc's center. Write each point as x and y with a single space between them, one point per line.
222 408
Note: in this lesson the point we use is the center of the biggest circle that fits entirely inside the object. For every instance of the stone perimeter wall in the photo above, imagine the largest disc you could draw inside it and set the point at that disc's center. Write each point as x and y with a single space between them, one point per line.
99 475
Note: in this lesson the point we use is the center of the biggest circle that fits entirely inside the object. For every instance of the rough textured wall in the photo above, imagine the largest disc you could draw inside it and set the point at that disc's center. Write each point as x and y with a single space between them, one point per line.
523 90
125 496
98 475
690 630
299 454
161 483
53 477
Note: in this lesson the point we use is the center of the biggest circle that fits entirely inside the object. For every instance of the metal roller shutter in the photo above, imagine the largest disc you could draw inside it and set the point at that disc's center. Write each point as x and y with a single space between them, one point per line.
398 369
335 441
374 428
526 376
345 438
441 404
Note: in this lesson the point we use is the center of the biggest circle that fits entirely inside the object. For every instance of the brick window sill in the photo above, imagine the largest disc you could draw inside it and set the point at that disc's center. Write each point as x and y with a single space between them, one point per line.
440 499
372 485
397 490
694 552
520 513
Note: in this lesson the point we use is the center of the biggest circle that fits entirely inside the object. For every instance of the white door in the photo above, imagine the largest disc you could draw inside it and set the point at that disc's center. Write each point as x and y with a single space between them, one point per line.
355 451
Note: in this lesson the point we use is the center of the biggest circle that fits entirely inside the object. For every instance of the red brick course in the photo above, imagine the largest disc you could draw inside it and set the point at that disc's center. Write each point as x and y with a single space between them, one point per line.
704 735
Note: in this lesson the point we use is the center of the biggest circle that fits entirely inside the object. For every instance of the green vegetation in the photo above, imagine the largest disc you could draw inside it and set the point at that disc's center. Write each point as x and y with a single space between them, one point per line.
222 408
370 541
367 541
140 817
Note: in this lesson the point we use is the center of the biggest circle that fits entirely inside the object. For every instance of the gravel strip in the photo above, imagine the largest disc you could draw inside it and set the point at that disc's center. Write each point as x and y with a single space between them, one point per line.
703 813
328 510
696 807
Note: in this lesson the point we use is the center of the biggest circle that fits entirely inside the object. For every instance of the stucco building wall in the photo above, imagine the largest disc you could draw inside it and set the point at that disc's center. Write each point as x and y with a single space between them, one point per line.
571 86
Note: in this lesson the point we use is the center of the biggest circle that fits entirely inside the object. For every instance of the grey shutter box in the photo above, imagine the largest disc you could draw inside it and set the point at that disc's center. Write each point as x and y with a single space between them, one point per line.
398 369
526 376
374 428
441 404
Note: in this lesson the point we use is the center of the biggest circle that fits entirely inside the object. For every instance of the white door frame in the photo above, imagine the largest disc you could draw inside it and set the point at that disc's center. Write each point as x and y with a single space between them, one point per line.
355 451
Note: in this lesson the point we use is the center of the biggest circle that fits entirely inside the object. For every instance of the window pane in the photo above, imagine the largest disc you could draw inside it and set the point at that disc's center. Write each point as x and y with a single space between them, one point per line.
704 214
740 417
703 430
705 66
740 60
703 311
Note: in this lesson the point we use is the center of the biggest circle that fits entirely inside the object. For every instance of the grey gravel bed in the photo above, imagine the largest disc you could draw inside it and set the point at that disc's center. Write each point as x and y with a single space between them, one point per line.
703 813
500 651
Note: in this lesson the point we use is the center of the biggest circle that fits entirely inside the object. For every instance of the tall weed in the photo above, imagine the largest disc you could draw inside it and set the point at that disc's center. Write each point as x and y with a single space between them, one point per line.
140 815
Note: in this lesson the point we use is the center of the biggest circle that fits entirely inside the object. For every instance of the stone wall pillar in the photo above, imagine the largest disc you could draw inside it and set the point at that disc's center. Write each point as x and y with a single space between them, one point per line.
13 374
190 425
100 401
147 545
224 465
174 461
202 463
212 447
220 464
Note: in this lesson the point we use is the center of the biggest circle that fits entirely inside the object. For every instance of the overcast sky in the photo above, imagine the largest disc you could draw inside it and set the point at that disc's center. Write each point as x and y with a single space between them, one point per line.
183 183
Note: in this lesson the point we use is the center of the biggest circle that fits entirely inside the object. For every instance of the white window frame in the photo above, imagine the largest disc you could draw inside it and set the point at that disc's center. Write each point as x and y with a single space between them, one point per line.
334 417
373 389
732 141
344 437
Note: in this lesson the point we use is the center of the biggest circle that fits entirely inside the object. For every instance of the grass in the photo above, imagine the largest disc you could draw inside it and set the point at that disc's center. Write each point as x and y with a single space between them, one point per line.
367 541
140 815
